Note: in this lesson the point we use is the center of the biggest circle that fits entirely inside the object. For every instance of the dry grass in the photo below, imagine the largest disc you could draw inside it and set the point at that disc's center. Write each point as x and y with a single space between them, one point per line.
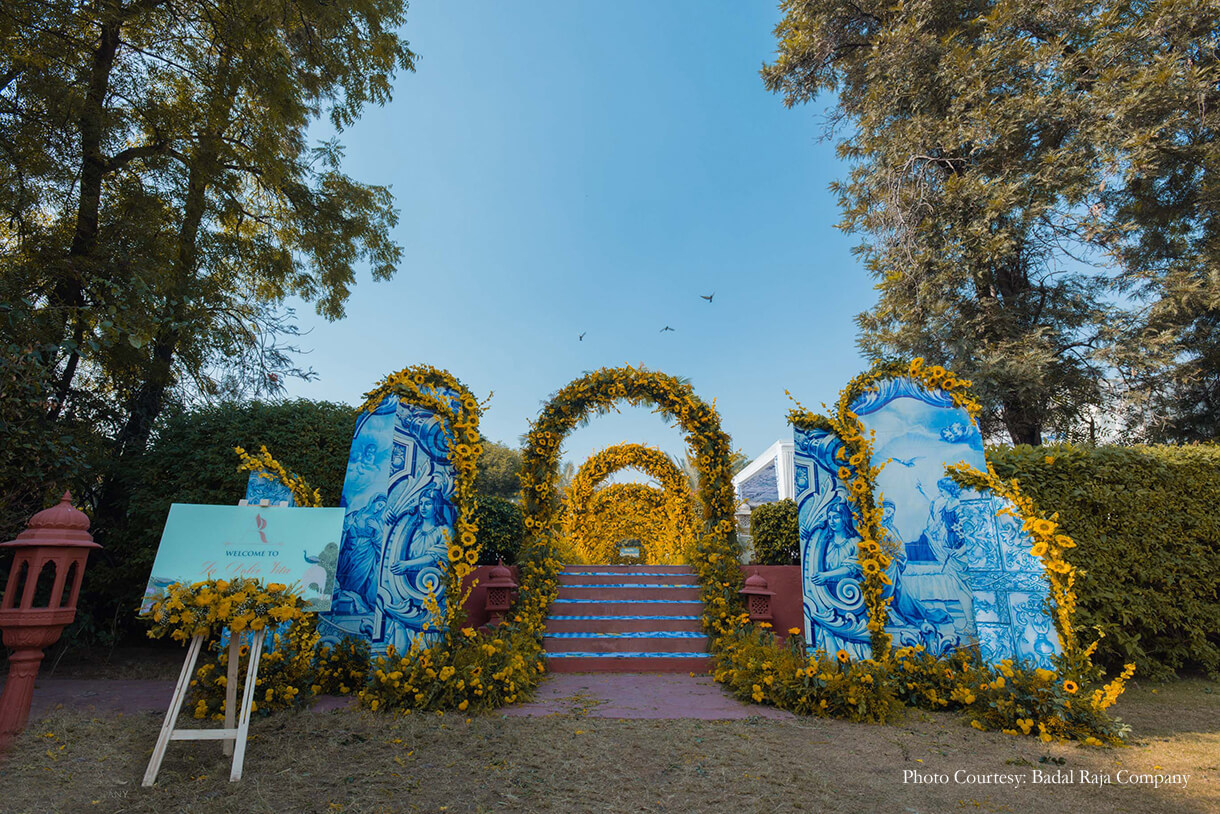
359 762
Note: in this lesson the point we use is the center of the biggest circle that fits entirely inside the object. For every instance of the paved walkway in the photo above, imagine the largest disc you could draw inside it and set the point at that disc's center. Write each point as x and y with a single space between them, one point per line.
598 695
637 695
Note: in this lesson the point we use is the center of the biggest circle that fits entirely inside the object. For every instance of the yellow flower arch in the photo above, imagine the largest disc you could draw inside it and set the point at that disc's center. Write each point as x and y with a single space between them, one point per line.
623 511
440 392
678 506
716 552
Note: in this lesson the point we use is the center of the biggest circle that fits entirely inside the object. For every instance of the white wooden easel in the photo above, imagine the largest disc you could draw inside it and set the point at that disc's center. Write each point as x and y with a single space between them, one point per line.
234 737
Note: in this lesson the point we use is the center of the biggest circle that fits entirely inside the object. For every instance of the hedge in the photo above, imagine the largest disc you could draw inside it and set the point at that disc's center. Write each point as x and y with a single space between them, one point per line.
773 527
501 530
1146 520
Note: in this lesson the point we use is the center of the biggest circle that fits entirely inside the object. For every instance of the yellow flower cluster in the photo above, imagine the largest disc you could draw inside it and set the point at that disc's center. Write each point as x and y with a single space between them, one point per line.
476 672
286 672
716 551
936 377
204 608
676 542
271 469
628 510
440 392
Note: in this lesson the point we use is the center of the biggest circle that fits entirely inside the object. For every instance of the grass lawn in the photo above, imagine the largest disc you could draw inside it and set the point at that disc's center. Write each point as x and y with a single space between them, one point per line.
355 761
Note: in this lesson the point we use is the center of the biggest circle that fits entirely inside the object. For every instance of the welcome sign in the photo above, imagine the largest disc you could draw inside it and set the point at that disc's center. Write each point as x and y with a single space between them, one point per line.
267 543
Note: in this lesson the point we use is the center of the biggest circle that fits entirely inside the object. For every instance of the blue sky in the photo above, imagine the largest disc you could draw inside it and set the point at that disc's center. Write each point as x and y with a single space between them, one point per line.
565 168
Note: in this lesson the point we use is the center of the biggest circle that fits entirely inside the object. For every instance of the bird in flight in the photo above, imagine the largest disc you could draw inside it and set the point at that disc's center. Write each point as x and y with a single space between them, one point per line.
909 462
581 338
666 328
708 297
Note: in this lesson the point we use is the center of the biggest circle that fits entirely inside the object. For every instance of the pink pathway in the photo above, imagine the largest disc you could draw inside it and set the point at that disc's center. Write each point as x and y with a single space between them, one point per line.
637 695
599 695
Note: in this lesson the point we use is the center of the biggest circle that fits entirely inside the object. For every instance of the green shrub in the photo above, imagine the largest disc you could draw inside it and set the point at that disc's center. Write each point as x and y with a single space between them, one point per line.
191 460
773 526
1146 521
501 530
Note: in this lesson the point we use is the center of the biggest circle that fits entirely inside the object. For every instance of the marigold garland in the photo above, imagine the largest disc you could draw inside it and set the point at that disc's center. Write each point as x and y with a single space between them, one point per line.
680 518
271 469
205 608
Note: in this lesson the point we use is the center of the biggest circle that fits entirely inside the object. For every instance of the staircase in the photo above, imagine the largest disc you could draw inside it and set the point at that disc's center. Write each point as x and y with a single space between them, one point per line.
626 619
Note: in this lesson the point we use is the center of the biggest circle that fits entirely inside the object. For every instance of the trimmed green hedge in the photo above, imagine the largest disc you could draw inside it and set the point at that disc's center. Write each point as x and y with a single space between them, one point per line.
773 527
1146 521
191 460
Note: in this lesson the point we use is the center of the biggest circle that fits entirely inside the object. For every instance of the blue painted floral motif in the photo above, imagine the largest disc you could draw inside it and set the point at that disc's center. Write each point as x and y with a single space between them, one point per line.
399 495
259 488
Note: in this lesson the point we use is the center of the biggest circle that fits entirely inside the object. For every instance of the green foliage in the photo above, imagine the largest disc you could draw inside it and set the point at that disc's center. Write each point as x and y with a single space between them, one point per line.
776 533
501 530
499 471
1013 166
191 460
1146 526
160 201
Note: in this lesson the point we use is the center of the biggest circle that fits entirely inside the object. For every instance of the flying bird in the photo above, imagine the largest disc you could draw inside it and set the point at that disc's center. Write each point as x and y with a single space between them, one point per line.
909 462
708 297
581 338
666 328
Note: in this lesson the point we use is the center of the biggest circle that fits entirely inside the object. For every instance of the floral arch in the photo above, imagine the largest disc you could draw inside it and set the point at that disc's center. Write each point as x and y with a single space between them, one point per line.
672 542
622 511
716 552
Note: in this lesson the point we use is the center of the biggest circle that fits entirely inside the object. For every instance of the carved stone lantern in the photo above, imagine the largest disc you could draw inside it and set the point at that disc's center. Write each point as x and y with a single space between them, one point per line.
500 587
39 601
758 598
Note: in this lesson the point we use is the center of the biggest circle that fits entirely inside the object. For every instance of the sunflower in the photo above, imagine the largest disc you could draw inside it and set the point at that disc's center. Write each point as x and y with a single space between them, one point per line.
871 567
1070 687
1043 527
843 656
472 556
1039 549
455 553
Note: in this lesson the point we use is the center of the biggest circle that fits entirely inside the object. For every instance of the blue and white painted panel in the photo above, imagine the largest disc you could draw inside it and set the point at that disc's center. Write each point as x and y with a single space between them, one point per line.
399 497
960 573
260 488
835 614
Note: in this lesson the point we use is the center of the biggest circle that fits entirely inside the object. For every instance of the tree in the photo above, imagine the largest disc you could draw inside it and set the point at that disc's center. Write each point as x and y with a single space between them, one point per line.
499 471
160 200
1031 184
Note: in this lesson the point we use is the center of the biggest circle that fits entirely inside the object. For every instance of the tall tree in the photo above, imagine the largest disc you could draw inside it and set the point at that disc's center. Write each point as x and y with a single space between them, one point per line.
1003 161
160 199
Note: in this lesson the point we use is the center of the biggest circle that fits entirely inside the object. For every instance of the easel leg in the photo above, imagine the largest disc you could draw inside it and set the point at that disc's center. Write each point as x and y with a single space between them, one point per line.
231 689
247 698
175 707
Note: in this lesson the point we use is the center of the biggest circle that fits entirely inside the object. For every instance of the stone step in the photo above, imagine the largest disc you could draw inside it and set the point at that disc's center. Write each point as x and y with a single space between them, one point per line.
611 623
626 607
663 641
626 578
629 592
659 569
628 662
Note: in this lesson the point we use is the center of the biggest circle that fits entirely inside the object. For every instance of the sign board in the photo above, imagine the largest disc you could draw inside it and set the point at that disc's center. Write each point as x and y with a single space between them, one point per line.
267 543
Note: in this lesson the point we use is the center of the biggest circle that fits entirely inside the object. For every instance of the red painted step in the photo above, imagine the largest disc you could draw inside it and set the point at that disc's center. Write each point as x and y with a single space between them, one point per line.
615 619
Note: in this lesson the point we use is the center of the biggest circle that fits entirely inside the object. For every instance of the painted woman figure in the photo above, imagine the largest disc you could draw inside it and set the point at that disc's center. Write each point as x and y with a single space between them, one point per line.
424 538
841 560
360 553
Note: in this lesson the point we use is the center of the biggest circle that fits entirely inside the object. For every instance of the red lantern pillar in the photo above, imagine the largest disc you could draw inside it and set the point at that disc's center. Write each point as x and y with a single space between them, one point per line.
55 544
758 598
500 587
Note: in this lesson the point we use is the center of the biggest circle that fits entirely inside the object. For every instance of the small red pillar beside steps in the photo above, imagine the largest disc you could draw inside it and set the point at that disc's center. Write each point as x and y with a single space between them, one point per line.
58 539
